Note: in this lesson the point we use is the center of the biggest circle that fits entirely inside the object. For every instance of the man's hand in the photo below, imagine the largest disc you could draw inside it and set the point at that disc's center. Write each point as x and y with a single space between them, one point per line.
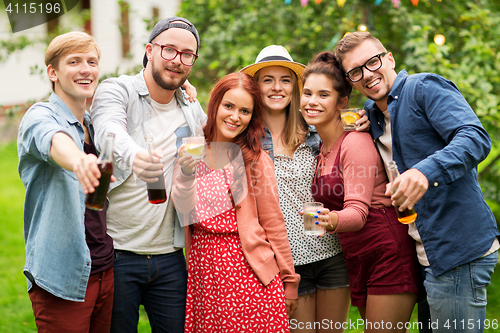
411 186
147 167
363 122
87 172
67 155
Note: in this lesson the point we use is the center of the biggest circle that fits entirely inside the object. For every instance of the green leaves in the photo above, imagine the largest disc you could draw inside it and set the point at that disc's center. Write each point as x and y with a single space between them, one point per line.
234 31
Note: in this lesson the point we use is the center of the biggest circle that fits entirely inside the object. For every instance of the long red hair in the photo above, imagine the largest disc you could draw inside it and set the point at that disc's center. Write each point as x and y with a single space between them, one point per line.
249 139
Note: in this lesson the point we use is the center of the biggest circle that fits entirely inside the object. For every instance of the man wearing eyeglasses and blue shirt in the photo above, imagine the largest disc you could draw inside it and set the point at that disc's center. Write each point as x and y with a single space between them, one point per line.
150 268
423 122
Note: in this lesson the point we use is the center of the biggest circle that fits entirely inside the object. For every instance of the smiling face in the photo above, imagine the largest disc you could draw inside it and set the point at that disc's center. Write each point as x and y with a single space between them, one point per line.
374 85
233 114
170 74
320 102
76 76
276 86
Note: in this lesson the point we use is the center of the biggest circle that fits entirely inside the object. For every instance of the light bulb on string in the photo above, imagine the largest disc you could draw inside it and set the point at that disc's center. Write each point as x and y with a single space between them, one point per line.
439 39
362 27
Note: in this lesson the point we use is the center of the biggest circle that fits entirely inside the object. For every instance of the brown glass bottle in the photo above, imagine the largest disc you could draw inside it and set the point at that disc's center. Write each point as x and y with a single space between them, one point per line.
408 215
156 191
97 199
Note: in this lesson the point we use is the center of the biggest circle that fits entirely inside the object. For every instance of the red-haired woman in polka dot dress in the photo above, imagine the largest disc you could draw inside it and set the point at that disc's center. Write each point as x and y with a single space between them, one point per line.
241 275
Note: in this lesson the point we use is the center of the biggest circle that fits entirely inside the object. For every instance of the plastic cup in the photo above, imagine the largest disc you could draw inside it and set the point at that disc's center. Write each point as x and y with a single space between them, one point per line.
310 226
349 117
194 146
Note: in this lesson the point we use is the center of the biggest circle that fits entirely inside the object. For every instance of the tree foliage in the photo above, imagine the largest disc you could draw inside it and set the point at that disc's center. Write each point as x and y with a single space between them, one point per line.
234 31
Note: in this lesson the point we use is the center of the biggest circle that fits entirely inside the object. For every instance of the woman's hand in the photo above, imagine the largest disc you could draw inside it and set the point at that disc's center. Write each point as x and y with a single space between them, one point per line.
327 219
190 90
186 161
363 122
291 306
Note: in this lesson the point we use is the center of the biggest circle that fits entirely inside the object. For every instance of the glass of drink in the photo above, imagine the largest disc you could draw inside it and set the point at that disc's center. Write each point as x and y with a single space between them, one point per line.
194 146
349 117
310 226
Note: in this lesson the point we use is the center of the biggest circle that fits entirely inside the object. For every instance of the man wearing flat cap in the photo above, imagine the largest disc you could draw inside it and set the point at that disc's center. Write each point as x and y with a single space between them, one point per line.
150 268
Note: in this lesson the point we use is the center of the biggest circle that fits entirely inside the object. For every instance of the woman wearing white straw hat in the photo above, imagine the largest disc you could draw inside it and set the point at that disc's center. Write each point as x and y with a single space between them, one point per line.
324 285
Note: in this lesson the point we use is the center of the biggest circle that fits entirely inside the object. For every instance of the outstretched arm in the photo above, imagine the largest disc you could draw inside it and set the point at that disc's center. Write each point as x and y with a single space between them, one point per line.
66 154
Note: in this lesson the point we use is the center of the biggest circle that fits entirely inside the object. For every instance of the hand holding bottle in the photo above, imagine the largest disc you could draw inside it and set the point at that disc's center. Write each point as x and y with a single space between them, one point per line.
411 187
405 190
97 199
148 166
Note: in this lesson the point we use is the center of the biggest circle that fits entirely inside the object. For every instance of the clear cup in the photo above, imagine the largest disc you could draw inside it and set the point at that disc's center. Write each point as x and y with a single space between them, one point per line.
310 226
349 117
194 146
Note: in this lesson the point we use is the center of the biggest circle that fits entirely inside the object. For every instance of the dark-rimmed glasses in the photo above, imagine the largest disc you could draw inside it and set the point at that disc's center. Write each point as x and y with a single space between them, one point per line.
371 64
169 53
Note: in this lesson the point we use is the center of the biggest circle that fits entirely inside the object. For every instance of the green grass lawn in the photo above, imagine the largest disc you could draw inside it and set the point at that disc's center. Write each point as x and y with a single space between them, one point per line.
16 315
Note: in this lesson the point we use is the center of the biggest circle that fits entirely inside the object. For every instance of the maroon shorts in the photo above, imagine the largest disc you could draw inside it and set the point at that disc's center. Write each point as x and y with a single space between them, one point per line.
54 314
381 258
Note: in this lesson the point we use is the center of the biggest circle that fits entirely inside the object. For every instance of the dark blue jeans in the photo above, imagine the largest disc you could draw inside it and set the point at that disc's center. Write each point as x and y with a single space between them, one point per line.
159 282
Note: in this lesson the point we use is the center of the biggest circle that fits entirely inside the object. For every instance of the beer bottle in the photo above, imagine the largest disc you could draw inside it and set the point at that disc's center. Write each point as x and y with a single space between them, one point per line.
97 199
408 215
156 191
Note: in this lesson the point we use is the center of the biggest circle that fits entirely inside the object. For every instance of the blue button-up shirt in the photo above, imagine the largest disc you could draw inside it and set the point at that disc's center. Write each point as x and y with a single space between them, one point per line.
57 256
435 131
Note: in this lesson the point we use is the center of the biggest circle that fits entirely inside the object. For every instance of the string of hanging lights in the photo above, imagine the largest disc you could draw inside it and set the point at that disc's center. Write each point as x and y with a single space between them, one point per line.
438 39
341 3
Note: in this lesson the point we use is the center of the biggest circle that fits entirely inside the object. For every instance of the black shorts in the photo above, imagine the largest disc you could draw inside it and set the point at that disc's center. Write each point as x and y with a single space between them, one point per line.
330 273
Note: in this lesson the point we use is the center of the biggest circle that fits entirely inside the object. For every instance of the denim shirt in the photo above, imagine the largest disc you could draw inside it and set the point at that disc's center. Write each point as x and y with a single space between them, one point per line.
123 106
312 140
57 256
435 131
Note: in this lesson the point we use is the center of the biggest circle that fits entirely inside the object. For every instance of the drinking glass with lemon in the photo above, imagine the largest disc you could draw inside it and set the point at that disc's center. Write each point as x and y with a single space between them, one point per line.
349 117
194 146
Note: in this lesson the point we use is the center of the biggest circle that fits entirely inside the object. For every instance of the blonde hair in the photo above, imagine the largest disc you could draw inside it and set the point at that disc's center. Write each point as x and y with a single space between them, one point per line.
296 128
71 42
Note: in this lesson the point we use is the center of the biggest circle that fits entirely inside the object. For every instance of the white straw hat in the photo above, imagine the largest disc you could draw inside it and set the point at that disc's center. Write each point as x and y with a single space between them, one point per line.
276 55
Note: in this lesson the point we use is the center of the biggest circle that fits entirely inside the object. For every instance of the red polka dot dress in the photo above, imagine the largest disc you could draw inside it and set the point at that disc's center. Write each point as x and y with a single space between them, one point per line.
224 294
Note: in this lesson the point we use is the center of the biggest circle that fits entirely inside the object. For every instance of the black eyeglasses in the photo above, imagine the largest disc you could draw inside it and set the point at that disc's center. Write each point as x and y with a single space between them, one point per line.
371 64
169 53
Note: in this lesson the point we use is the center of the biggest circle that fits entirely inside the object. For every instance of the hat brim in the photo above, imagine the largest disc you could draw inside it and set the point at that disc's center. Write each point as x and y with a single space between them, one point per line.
295 67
